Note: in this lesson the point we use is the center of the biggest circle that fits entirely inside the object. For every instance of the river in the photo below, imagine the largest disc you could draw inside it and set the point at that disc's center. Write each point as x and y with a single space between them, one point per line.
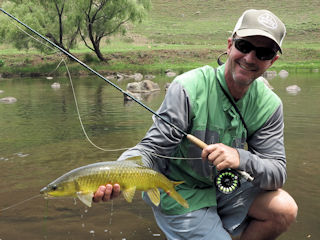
41 138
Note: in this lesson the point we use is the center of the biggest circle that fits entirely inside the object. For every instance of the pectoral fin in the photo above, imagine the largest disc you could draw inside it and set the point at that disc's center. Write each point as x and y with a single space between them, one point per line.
154 196
85 198
129 193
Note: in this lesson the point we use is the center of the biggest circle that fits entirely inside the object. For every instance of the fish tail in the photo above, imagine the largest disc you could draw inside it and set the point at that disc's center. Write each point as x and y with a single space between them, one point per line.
176 196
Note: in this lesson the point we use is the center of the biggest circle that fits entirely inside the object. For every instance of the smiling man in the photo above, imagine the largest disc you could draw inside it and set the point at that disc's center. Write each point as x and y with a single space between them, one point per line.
227 108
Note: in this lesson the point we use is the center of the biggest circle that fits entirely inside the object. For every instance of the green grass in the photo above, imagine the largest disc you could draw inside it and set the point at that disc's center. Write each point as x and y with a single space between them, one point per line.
185 34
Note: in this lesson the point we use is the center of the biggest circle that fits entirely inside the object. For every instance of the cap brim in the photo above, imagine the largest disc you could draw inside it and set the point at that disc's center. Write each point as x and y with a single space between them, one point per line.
257 32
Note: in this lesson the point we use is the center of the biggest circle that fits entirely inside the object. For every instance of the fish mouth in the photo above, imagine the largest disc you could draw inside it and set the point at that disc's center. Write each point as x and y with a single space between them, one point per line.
44 191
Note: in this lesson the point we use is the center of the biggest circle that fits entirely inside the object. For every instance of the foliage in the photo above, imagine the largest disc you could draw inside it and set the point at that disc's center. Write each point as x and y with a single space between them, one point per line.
54 19
103 18
62 21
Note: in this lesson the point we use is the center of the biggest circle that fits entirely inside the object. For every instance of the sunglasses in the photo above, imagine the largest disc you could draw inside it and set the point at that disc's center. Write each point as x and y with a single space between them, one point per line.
262 53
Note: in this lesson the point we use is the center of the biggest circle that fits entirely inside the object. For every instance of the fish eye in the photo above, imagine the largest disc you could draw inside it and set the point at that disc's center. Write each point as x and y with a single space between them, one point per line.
54 187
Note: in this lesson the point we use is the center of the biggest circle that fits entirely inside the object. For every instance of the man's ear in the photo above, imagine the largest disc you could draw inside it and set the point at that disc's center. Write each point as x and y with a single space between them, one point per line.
230 42
274 59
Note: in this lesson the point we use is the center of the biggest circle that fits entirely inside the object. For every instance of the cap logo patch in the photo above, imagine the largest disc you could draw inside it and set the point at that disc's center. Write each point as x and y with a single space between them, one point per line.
268 21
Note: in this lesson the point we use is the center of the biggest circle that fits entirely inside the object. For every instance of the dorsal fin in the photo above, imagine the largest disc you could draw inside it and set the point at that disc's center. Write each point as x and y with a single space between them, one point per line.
135 159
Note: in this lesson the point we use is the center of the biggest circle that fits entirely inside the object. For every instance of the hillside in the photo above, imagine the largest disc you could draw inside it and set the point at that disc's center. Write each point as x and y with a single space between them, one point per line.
183 34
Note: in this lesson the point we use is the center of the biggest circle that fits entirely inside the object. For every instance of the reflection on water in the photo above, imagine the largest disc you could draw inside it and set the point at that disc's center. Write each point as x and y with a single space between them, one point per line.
41 138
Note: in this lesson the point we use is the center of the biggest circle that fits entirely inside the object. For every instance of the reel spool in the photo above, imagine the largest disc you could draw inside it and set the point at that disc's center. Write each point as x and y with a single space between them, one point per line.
227 181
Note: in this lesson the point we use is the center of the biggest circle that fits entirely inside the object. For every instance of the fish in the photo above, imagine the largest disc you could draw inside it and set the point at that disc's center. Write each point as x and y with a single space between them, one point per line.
130 174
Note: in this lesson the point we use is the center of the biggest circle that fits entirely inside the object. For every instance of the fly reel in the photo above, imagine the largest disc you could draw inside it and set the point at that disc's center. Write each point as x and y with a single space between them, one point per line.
227 181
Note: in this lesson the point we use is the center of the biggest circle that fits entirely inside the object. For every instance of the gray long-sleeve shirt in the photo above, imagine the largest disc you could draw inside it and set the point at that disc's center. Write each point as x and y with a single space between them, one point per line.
196 104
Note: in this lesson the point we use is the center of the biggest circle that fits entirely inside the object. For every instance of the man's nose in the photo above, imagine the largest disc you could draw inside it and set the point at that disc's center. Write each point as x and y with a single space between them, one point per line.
251 56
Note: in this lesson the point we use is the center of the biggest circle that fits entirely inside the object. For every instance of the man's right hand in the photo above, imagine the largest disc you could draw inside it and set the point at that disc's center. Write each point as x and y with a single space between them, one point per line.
107 192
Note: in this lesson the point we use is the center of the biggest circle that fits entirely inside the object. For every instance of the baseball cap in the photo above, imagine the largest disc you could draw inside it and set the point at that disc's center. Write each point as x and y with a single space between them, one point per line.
263 23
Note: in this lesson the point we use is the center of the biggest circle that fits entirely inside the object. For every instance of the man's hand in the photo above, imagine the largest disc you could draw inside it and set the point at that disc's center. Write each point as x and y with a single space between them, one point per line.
222 156
105 193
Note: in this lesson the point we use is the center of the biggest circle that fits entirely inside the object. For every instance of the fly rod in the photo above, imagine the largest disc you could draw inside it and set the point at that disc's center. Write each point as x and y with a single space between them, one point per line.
190 137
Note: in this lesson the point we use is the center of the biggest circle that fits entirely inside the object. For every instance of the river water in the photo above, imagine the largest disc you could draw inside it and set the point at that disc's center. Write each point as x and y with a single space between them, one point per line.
41 138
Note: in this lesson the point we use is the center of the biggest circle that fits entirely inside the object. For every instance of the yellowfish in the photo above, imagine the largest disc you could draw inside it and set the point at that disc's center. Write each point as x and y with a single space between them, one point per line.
130 174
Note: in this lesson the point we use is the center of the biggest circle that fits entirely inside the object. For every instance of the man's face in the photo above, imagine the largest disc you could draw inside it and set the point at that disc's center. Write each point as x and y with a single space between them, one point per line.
244 68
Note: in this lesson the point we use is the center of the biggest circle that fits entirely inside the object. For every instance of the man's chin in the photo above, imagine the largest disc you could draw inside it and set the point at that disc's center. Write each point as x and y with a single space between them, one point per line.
242 80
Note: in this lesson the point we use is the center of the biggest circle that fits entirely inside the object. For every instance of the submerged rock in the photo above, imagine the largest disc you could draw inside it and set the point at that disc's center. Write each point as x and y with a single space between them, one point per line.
293 89
55 85
144 86
269 74
8 100
283 73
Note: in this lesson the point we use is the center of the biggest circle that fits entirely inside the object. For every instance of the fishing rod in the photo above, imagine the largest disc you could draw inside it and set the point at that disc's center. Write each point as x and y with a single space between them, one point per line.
227 181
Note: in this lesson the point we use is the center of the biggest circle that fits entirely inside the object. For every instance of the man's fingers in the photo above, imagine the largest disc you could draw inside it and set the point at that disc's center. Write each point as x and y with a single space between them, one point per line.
107 192
116 190
208 150
98 195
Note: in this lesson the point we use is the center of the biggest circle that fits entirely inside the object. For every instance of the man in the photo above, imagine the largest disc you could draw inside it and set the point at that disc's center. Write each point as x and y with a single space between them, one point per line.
201 102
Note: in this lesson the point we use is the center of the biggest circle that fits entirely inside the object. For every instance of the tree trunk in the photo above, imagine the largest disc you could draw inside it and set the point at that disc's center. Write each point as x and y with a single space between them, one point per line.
96 47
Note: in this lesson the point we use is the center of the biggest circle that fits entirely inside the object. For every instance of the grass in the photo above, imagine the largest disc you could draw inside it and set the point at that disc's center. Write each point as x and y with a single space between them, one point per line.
184 34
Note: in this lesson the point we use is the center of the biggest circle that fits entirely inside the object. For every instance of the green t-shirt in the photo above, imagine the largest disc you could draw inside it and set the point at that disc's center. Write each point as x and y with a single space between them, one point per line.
212 119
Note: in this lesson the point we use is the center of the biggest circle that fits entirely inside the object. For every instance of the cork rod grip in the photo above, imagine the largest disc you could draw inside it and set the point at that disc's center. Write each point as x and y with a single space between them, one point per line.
196 141
202 145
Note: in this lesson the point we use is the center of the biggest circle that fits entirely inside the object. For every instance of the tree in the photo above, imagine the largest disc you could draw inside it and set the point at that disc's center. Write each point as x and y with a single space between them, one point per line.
53 19
103 18
65 22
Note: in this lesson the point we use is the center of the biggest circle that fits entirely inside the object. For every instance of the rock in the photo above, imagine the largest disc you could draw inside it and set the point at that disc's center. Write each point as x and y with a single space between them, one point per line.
293 89
171 74
1 91
269 74
283 74
8 100
137 96
145 96
149 77
111 77
55 85
49 78
136 77
119 77
143 86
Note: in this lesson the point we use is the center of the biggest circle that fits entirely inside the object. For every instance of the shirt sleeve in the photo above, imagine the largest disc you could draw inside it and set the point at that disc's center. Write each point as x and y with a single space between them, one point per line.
265 158
162 139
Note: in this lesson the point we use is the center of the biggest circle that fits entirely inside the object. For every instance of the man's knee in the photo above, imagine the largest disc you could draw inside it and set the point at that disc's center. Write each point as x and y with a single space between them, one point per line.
277 207
287 210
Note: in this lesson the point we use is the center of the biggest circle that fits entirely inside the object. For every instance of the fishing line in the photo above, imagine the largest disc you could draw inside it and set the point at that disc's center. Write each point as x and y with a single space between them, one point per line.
19 203
80 120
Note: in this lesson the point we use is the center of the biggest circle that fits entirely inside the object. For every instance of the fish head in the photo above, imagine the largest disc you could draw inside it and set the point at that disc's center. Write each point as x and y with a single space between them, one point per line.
59 189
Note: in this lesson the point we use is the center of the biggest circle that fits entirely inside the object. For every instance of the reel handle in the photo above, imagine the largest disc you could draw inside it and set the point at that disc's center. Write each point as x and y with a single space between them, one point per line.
202 145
